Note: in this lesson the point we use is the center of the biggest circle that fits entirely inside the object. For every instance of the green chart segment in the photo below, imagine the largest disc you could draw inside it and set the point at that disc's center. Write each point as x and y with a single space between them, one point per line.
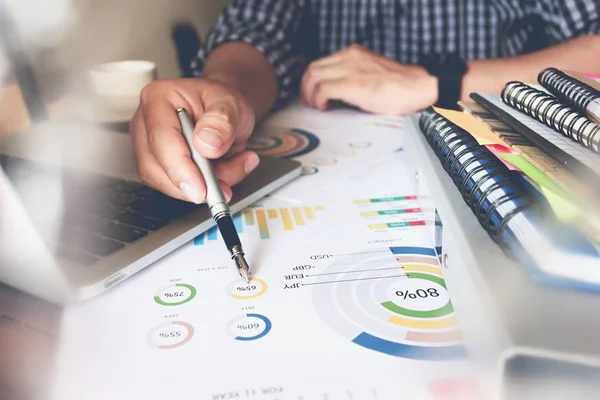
439 312
384 199
175 295
391 310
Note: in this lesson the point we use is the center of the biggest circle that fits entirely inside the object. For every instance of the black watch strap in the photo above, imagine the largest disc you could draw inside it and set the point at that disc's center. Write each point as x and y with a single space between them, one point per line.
449 69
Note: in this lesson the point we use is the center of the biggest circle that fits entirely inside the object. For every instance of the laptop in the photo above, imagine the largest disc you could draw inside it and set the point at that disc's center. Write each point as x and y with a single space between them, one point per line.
75 220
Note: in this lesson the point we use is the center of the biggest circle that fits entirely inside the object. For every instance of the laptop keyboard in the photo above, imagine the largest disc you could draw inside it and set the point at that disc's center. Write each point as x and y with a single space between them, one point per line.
100 215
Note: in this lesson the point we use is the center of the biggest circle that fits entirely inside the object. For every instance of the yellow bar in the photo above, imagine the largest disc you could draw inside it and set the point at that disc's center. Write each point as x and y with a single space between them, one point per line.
298 216
424 323
362 201
319 208
272 213
309 213
287 220
263 229
249 217
378 226
421 268
369 214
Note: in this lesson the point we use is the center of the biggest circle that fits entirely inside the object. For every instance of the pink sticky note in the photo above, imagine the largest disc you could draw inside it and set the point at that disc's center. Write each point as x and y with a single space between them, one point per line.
593 76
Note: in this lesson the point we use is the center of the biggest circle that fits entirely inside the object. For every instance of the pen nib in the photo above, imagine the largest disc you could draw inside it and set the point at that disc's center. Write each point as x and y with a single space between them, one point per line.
243 267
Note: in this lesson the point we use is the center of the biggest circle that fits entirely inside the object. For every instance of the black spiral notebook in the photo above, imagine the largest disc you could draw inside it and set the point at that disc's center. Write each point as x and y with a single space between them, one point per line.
512 211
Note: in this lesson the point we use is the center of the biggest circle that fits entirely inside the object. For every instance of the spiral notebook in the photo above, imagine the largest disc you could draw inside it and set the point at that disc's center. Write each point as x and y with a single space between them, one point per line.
554 114
513 213
576 90
579 159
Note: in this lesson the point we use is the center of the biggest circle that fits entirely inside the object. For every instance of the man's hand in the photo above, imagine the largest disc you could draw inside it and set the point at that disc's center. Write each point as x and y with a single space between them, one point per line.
224 121
369 81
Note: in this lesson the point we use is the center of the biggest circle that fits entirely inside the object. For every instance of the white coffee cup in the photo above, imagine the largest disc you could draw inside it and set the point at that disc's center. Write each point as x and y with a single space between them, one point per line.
116 86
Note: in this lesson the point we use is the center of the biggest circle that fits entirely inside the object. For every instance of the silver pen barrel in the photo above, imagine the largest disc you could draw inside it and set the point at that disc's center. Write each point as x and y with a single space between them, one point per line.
215 200
214 195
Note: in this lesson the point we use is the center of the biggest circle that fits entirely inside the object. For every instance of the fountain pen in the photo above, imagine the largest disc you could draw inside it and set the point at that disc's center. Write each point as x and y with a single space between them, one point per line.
215 199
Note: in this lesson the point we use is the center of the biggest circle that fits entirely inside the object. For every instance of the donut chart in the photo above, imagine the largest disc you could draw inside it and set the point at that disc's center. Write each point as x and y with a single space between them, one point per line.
293 143
250 327
393 301
175 295
243 291
171 335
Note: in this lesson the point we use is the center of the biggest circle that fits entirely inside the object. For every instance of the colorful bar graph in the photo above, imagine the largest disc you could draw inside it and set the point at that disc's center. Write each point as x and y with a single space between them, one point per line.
384 199
396 225
391 212
249 216
286 219
263 228
298 216
290 218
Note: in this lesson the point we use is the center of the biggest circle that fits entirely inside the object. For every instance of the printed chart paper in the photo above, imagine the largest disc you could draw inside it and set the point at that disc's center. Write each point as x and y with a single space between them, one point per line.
347 300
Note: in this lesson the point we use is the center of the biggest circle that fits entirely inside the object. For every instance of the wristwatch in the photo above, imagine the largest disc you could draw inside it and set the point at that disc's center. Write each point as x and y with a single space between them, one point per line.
449 68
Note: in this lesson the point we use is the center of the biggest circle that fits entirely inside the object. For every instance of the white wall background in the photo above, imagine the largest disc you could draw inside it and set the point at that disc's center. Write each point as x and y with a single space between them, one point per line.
63 37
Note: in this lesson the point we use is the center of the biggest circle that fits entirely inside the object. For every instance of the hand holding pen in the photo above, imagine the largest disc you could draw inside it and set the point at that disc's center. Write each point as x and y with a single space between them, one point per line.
223 120
215 198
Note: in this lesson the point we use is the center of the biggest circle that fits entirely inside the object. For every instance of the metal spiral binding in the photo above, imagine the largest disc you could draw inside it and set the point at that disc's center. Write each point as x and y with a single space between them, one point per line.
451 143
569 90
548 110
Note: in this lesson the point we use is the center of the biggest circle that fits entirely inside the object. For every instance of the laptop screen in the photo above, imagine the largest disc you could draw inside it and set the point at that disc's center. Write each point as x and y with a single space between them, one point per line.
20 100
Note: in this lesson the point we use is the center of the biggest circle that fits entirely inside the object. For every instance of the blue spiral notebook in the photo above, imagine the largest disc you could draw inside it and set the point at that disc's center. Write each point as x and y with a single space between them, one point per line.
512 211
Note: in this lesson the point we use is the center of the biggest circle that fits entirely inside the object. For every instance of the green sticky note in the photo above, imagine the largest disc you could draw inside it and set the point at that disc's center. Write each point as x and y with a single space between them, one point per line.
564 208
561 202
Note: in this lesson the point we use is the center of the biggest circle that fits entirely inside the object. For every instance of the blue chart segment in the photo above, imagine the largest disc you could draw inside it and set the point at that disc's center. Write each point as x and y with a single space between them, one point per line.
249 327
393 301
407 351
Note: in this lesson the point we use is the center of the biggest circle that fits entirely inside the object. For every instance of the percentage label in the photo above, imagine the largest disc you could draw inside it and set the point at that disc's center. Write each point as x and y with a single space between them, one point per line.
419 293
246 288
174 294
171 335
168 335
248 326
241 290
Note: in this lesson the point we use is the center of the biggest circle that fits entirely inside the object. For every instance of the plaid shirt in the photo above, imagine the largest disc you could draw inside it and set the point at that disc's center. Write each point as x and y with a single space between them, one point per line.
291 33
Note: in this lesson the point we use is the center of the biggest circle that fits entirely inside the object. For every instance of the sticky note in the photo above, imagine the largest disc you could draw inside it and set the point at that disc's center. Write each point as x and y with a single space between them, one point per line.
561 203
593 76
563 207
471 124
499 149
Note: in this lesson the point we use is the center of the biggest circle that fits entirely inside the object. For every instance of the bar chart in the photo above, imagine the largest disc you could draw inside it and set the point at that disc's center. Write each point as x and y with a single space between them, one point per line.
392 212
262 220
